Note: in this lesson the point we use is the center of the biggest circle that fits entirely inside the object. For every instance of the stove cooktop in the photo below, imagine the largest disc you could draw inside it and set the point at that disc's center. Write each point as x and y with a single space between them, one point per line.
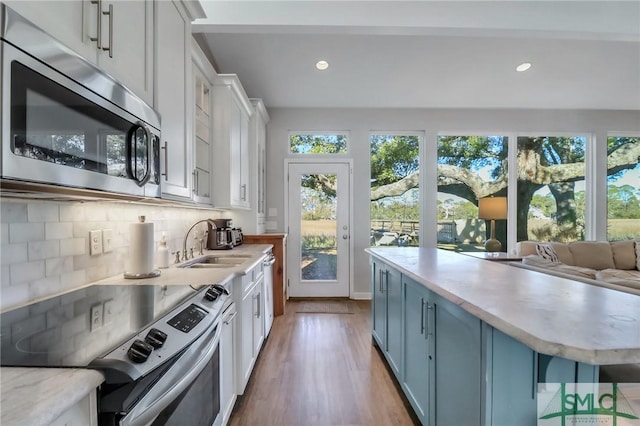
73 329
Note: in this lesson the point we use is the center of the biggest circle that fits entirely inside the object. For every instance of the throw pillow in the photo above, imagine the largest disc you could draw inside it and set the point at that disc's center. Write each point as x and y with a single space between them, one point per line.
546 251
638 254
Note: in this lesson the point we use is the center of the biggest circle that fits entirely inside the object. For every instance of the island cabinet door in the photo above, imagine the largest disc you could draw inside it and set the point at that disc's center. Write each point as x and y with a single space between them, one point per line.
418 360
394 320
458 365
379 308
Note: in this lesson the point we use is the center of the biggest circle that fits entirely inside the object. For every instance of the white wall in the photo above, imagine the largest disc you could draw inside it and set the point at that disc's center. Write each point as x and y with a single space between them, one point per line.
360 122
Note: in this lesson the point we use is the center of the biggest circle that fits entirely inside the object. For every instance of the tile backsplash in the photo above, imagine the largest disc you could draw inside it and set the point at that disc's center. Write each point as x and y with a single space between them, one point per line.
45 244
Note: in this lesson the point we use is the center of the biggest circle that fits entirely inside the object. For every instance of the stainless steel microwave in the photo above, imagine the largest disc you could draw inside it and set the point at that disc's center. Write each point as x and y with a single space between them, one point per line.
66 122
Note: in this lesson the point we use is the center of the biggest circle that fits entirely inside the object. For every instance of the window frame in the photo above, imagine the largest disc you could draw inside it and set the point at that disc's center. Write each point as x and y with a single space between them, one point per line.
345 133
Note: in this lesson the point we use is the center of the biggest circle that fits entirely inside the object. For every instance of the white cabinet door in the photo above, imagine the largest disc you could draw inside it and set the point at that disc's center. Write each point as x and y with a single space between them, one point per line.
245 340
268 299
258 317
72 22
253 220
117 36
232 112
227 364
173 65
127 44
203 73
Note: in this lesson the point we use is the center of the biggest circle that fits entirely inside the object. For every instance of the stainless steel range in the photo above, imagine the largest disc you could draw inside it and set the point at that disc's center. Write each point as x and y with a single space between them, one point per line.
154 344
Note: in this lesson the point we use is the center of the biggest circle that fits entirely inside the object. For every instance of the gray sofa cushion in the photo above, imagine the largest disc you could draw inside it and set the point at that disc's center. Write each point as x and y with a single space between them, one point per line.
623 254
592 254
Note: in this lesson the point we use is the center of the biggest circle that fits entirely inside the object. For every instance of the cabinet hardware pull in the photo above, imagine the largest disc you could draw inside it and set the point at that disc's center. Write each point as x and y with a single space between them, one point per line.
98 37
166 161
422 315
429 330
231 317
110 48
244 192
195 181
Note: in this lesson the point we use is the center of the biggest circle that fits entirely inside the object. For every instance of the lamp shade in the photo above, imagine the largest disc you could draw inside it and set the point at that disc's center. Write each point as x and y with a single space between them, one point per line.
492 208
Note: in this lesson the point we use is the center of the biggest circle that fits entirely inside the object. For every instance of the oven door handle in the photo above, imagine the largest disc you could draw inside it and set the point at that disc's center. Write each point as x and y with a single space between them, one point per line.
175 380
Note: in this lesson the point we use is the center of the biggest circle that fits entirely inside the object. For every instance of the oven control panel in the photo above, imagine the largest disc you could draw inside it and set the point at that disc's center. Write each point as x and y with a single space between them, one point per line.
168 336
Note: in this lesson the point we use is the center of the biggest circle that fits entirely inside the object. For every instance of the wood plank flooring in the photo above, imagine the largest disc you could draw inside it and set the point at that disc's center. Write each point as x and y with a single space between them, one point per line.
321 370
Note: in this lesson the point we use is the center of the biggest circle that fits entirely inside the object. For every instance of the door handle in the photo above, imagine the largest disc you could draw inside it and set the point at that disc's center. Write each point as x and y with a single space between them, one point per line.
110 48
422 327
98 37
166 161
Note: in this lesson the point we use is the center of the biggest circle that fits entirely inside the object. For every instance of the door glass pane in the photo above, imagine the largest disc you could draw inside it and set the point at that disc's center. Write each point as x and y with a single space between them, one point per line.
551 189
623 181
318 227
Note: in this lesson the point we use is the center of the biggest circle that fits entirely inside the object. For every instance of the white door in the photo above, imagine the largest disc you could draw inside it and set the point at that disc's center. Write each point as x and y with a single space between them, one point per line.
319 229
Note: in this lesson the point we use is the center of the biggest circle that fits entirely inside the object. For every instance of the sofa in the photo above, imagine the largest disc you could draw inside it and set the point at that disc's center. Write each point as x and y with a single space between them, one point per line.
614 265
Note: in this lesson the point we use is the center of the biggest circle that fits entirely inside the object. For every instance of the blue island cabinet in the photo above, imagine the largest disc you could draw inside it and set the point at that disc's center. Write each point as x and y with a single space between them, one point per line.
456 369
387 312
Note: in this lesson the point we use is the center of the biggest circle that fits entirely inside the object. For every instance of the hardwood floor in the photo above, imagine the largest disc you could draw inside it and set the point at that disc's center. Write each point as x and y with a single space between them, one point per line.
321 370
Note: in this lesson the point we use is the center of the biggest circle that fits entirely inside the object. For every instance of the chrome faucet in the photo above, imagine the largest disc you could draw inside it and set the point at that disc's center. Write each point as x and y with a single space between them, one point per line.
210 222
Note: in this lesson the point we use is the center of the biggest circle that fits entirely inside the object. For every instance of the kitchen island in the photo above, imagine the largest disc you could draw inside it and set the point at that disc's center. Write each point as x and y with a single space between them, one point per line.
482 335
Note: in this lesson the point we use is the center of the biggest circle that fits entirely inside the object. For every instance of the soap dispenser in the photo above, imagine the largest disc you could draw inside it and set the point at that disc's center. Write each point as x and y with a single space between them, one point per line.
163 253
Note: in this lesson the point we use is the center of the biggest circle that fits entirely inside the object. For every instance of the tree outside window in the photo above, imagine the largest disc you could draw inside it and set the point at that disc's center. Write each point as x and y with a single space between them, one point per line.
623 188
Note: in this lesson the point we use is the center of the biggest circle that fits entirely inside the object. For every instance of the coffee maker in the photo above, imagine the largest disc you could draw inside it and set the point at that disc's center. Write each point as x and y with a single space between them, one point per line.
220 235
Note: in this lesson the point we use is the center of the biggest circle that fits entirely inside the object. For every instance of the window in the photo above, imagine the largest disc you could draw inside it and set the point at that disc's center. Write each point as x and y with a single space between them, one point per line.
395 196
623 188
551 190
318 143
469 168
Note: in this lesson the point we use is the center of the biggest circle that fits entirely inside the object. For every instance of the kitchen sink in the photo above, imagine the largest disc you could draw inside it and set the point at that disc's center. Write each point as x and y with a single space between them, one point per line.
216 261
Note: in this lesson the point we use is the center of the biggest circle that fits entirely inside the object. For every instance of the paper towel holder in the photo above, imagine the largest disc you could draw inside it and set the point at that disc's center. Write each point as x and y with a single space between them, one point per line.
152 274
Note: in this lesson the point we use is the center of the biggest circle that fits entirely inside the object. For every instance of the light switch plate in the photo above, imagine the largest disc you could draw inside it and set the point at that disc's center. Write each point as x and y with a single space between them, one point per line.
95 242
107 312
95 317
107 240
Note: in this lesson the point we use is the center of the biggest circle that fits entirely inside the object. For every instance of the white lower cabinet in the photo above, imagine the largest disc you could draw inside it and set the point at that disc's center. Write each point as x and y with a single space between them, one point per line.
82 413
227 364
250 327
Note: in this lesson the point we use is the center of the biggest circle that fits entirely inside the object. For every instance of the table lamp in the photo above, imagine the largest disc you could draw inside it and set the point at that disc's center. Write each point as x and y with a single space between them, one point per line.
492 208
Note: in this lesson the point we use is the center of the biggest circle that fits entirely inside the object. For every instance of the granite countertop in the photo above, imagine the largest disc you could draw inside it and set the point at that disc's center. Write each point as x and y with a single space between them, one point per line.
551 315
37 396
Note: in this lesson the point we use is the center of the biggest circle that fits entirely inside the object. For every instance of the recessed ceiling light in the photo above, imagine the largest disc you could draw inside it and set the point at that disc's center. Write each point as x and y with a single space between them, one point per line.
322 65
523 66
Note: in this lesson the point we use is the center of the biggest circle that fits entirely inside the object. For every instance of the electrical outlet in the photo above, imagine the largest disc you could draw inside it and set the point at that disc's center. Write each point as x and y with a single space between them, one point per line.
95 316
107 240
107 312
95 243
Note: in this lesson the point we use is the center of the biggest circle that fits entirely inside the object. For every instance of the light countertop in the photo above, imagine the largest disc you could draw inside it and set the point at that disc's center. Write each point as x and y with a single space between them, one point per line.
551 315
37 396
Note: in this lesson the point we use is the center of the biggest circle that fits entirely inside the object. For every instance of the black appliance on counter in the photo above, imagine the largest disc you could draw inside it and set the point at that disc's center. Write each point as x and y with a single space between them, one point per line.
157 346
221 235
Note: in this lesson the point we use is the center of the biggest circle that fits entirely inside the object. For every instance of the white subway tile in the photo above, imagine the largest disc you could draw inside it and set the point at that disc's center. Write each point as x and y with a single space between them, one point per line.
44 287
25 232
74 212
44 250
43 212
5 277
95 273
73 246
14 296
14 253
11 211
4 233
96 212
24 272
73 279
58 230
58 266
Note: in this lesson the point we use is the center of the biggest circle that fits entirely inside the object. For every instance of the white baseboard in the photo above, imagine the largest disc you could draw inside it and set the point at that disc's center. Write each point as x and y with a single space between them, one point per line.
360 296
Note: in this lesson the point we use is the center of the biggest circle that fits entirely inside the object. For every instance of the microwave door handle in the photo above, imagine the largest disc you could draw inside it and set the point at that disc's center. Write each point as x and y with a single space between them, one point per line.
134 155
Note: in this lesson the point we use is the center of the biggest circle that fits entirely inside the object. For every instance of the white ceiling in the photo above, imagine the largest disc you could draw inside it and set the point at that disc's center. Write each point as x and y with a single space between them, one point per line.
429 54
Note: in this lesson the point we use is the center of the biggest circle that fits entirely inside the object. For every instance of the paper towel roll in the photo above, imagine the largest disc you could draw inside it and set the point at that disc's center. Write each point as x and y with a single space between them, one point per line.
141 247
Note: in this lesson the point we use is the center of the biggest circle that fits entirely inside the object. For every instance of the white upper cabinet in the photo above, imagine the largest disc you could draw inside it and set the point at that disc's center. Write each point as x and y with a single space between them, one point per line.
232 112
174 96
203 76
117 36
253 221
